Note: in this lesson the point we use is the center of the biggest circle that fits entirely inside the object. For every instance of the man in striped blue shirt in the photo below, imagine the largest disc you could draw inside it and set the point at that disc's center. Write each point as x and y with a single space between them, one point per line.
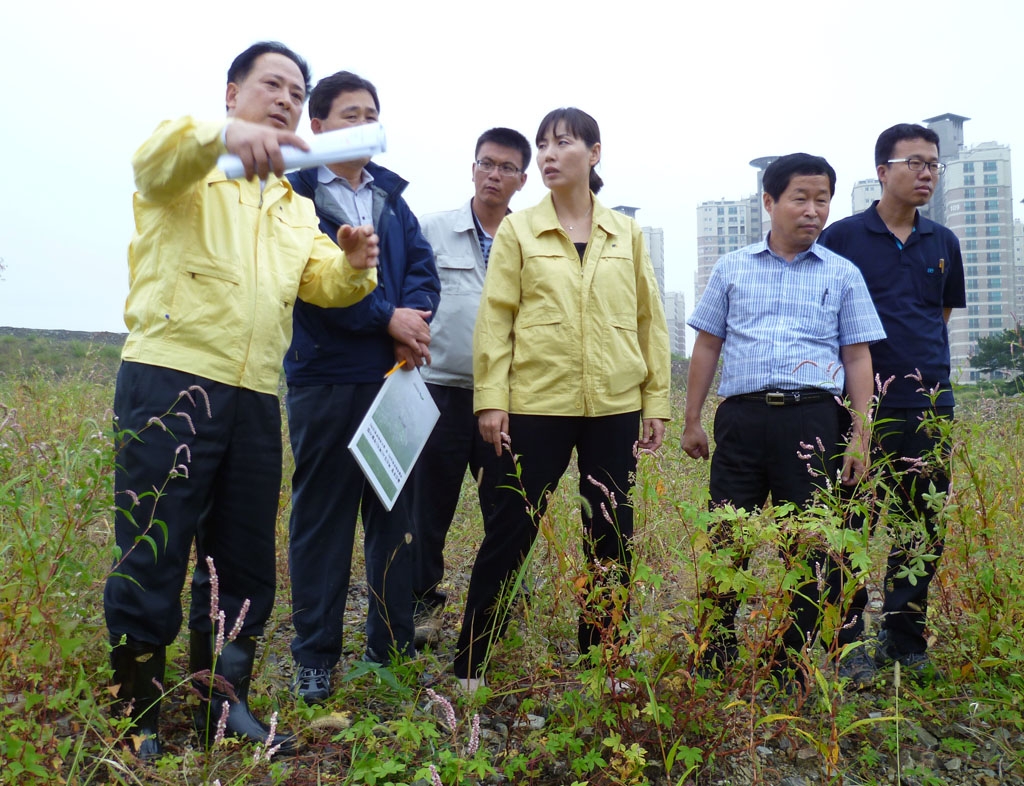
792 322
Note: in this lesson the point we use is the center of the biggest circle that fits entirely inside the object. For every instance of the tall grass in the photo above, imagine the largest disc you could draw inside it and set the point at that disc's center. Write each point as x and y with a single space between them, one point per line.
548 716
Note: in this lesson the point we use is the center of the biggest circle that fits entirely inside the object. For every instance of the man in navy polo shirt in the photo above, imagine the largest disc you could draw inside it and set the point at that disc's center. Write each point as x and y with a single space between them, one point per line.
915 274
791 321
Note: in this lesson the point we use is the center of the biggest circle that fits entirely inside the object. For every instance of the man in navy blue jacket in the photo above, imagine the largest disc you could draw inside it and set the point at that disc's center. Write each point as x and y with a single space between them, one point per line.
335 366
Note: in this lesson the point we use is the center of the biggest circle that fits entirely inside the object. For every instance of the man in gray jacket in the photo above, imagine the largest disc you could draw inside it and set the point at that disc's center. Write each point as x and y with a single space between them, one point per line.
461 240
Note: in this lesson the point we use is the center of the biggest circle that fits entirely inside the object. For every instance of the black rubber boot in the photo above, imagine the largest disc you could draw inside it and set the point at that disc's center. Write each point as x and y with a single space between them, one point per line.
233 674
139 676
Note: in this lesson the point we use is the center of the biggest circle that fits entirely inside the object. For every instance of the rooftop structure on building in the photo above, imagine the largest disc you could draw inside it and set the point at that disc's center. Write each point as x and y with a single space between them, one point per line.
627 210
950 129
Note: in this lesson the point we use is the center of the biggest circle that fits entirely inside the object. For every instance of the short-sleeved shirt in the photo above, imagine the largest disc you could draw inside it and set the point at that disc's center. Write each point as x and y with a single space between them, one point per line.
784 322
911 284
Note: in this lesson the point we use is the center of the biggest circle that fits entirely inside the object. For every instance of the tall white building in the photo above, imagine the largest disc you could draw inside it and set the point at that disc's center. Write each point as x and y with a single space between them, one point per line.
722 226
864 193
976 202
654 239
728 225
1018 263
675 315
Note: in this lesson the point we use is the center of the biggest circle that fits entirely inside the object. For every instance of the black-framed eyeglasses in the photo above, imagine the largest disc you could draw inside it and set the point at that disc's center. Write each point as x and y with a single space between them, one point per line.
918 165
506 169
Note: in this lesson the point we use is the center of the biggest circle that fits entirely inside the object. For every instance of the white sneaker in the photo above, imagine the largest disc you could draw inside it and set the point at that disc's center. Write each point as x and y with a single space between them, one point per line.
471 685
618 687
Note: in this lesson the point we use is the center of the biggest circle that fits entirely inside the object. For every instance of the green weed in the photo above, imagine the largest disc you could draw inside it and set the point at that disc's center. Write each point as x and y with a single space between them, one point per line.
548 716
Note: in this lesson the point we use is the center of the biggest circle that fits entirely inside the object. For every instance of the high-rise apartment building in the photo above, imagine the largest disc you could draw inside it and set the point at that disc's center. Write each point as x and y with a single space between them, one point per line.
654 239
675 315
975 200
864 193
1018 264
723 226
950 129
728 225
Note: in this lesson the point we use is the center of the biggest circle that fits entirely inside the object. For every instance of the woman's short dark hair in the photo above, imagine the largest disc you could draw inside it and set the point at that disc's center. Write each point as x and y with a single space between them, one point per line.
780 171
580 125
242 65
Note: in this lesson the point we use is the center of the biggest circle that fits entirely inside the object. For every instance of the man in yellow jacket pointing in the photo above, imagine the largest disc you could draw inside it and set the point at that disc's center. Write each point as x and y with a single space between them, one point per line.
215 266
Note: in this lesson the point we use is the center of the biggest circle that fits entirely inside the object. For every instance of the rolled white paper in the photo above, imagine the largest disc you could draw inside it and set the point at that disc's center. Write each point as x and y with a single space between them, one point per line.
330 147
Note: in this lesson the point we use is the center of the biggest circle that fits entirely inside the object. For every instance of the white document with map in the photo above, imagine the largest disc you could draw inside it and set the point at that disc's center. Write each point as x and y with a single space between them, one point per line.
393 433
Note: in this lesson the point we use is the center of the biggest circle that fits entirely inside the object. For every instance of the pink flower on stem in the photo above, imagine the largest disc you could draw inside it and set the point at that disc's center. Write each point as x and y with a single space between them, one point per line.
449 711
188 419
222 723
237 628
155 421
268 749
187 394
214 591
218 644
474 736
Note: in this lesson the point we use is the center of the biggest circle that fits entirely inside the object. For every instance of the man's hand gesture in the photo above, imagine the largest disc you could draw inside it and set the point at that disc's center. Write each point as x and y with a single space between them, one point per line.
259 147
360 244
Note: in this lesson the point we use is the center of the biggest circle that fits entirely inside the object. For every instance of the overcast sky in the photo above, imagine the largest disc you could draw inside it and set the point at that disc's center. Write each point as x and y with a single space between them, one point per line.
685 94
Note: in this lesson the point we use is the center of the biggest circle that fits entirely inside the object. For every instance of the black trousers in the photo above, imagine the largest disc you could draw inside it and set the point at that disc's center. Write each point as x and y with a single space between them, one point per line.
760 451
454 445
605 453
900 441
209 476
329 493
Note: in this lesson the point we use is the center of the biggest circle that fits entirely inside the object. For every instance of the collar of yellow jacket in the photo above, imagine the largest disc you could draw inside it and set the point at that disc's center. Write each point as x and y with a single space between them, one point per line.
544 218
252 192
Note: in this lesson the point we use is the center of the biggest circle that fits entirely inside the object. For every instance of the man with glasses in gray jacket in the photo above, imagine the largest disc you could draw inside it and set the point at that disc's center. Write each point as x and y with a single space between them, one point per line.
461 240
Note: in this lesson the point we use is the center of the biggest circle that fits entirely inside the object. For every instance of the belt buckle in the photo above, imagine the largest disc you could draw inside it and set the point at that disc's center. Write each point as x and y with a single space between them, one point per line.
775 398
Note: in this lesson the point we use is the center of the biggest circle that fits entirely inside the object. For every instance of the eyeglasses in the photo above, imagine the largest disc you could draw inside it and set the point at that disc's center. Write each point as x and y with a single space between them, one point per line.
506 169
917 165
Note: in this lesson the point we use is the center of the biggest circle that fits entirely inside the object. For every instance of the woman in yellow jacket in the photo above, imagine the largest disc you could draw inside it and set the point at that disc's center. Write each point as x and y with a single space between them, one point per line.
570 351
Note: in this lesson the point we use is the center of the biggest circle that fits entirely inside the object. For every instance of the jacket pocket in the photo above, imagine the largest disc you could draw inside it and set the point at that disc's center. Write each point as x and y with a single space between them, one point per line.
205 308
615 282
457 274
625 368
929 283
540 358
291 237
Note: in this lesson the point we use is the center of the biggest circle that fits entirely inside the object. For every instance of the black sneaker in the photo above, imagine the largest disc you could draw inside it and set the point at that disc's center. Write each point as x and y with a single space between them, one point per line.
858 668
918 664
312 685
